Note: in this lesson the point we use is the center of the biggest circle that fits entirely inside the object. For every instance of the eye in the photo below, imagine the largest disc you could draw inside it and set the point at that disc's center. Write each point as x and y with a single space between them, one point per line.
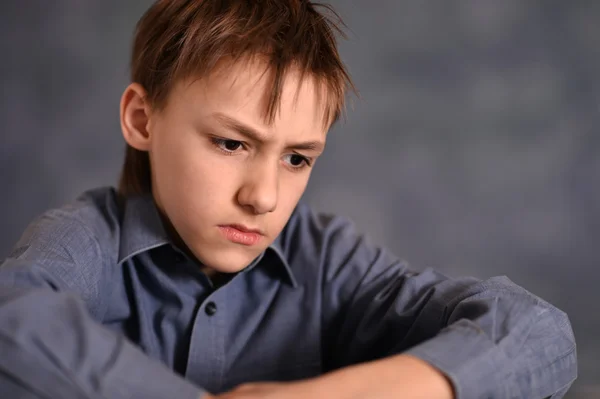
297 161
226 145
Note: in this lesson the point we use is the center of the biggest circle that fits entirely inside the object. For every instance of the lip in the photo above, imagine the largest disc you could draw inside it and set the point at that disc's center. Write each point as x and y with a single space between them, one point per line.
240 234
244 229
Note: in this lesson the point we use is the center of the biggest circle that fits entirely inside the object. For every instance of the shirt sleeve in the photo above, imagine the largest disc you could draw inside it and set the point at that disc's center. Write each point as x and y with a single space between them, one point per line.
52 347
491 338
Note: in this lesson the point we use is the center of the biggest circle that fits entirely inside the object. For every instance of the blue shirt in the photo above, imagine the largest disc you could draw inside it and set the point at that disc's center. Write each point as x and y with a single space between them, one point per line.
97 302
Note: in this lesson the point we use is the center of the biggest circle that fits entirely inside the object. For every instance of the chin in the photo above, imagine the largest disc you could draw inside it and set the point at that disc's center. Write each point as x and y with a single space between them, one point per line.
229 262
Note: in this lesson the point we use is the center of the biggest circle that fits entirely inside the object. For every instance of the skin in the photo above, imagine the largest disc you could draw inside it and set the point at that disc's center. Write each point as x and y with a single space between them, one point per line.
399 376
207 173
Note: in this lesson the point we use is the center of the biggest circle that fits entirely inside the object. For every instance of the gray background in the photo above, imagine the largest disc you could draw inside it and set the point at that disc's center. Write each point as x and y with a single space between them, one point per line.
473 148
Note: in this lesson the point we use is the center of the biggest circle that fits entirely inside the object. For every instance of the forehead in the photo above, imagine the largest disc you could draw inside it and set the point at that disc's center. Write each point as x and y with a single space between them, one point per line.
243 89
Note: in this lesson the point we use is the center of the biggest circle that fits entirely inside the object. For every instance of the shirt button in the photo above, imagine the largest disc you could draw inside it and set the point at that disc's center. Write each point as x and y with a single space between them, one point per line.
210 308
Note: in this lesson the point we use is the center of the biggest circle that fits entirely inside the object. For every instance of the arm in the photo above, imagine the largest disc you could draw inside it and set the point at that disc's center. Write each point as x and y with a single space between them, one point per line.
51 345
489 338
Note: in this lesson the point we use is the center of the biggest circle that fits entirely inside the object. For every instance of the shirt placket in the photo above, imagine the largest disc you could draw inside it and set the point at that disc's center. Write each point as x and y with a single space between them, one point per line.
206 359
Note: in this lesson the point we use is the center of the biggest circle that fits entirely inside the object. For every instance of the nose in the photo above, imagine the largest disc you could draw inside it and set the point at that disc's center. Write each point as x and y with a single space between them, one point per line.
260 191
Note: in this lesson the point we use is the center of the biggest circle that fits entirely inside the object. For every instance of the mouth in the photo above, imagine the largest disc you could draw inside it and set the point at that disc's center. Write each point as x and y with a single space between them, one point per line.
241 234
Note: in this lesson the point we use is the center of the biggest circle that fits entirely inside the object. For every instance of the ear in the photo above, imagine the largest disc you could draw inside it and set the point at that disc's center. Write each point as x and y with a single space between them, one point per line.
135 115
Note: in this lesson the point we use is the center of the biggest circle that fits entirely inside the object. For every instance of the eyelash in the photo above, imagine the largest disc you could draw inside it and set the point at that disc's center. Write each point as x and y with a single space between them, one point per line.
220 143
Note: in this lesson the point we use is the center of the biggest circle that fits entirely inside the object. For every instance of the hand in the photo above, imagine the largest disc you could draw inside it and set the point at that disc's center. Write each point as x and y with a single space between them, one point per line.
399 376
306 389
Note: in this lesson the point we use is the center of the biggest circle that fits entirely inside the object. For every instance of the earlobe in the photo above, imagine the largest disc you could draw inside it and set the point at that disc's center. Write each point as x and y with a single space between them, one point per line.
135 116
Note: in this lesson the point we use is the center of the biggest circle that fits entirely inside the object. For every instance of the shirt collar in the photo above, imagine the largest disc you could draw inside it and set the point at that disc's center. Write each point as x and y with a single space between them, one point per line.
141 227
274 254
142 230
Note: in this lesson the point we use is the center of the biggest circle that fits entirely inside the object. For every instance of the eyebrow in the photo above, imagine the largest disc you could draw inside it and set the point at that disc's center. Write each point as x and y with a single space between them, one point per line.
253 134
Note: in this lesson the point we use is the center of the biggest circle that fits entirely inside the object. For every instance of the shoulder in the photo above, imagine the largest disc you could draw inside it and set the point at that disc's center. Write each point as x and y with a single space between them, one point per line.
73 247
81 231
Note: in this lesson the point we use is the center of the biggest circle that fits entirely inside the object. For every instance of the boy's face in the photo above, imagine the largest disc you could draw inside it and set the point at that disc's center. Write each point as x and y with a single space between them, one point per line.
213 179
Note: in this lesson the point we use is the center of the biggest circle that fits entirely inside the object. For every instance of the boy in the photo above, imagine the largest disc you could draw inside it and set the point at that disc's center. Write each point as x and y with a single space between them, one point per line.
203 276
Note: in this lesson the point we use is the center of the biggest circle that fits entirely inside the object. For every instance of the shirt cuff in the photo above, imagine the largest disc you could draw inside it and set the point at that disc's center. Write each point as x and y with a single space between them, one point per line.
475 366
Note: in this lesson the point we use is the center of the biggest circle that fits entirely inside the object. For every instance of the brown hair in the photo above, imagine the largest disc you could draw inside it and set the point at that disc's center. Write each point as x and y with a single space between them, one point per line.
178 39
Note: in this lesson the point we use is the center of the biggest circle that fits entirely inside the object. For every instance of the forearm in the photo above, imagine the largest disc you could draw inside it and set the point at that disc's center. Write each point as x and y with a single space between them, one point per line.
398 376
51 347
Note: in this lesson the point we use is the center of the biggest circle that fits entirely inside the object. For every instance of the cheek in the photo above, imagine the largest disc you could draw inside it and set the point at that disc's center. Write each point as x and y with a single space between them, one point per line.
178 160
176 173
295 190
290 192
166 152
199 184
